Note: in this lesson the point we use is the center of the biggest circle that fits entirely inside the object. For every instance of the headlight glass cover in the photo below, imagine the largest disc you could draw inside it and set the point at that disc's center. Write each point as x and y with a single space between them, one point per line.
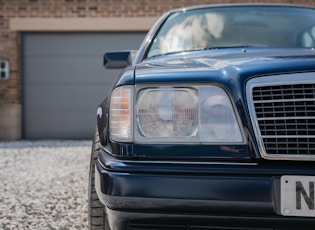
169 114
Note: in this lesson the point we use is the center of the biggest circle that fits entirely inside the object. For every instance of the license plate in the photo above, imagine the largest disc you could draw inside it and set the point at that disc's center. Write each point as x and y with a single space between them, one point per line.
297 196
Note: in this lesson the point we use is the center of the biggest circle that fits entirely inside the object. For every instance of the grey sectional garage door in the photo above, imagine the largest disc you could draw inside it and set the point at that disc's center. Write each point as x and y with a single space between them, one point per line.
64 81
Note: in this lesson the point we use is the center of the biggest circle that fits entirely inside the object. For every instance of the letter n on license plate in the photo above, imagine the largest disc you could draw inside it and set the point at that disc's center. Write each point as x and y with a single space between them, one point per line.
297 196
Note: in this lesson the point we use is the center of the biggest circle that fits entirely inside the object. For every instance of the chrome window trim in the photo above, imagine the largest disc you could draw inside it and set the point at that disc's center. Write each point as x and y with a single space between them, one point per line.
273 80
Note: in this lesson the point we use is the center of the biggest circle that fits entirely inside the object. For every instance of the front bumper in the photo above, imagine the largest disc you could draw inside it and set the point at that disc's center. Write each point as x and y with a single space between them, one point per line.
178 196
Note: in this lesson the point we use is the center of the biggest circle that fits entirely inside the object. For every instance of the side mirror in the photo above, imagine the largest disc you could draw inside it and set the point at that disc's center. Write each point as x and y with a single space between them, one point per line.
119 59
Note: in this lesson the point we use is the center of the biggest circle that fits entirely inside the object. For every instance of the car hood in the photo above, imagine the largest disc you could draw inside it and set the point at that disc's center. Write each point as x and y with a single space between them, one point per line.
223 65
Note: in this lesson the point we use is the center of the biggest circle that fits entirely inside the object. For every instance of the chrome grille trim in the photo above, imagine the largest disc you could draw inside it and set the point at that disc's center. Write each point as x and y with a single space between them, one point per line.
285 118
282 112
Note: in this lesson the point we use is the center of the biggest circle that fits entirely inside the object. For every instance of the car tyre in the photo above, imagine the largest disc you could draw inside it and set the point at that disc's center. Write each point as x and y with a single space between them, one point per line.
97 215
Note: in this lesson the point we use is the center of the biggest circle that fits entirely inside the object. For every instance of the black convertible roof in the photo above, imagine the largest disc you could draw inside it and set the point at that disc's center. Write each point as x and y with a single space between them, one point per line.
196 7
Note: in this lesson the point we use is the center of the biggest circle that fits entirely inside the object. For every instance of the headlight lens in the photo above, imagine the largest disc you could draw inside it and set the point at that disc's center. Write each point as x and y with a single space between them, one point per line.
167 112
217 121
197 114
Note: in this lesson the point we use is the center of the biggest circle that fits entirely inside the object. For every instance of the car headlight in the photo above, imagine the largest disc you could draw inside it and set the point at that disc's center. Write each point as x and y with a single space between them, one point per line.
197 114
167 112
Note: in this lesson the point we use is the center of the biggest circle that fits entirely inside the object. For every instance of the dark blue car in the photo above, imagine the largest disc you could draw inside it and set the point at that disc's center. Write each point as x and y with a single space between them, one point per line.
211 124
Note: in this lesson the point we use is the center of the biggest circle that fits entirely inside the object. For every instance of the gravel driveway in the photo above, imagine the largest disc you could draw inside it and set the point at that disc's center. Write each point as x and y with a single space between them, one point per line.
43 184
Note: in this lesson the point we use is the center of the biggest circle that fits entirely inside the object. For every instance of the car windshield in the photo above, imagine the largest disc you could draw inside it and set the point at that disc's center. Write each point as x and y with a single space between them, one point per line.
235 26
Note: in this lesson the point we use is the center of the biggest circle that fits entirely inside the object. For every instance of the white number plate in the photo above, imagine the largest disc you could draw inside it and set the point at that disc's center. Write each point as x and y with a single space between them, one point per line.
297 196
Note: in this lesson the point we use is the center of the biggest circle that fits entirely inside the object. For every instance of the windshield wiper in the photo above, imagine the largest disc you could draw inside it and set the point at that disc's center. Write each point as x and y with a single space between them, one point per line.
199 49
226 47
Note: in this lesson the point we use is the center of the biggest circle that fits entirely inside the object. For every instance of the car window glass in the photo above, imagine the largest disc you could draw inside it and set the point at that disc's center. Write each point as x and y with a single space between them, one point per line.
308 37
232 27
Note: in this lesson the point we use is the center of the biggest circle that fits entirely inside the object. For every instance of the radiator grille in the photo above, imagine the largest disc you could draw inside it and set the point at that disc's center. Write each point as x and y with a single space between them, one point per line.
285 115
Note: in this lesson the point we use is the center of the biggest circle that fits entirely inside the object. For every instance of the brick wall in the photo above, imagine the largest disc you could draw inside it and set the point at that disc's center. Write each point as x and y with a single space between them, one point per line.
10 90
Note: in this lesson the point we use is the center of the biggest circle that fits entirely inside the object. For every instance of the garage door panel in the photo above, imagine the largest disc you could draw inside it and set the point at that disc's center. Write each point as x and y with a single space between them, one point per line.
64 81
76 44
66 125
64 97
79 70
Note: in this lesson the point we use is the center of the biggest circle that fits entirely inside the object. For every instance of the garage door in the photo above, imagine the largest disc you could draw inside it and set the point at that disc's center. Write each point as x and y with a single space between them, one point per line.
64 81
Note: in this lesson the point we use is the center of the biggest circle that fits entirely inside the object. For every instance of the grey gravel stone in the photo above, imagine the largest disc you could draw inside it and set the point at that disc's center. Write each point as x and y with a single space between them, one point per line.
43 184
